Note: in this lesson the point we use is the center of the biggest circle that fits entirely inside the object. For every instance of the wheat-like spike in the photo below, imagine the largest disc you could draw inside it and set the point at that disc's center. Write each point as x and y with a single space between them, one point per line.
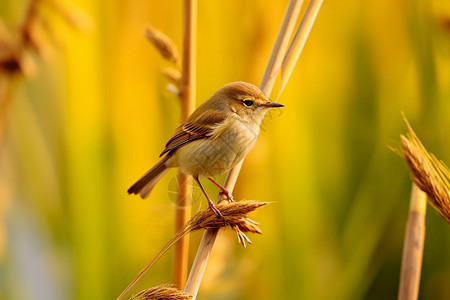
234 215
163 44
161 292
430 174
173 75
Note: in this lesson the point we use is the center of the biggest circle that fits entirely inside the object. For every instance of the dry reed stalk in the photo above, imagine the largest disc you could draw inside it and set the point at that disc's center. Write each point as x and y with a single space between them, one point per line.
296 47
182 214
187 95
161 292
281 44
413 246
266 85
430 174
234 215
431 177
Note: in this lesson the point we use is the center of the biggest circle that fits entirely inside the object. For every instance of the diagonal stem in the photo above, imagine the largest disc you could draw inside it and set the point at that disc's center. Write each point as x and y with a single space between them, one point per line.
266 85
280 46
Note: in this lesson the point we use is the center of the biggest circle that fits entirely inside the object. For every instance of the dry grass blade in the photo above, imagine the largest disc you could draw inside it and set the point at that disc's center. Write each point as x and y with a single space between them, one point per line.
161 292
234 215
296 47
281 44
163 44
431 175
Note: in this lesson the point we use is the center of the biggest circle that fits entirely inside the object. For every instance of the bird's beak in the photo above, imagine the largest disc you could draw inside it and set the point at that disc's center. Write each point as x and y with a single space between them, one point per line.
273 104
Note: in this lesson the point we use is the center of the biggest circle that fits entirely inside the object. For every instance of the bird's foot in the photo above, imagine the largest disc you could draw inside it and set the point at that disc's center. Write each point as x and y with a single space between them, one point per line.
215 209
227 194
223 191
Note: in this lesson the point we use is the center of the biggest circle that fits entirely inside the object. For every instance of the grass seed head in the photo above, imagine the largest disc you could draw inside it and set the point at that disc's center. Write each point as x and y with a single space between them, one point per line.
161 292
163 44
430 174
234 215
173 75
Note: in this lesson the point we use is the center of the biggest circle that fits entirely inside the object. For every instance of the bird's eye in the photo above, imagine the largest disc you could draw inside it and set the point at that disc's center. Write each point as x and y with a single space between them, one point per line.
248 102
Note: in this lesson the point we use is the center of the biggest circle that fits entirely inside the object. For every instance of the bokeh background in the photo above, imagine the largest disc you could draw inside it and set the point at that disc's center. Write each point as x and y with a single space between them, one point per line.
95 115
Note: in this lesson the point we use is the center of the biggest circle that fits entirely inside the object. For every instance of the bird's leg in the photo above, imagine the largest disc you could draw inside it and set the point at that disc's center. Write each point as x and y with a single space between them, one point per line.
223 190
211 204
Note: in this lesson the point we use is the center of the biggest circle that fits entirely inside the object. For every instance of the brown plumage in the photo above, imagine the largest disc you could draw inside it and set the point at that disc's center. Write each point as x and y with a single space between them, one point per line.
218 134
147 182
194 129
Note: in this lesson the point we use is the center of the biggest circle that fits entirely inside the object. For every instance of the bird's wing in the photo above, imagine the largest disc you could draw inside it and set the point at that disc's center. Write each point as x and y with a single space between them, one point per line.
199 128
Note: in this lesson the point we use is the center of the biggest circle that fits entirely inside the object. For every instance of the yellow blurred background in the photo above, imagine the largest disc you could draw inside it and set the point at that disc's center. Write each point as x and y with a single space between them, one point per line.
95 115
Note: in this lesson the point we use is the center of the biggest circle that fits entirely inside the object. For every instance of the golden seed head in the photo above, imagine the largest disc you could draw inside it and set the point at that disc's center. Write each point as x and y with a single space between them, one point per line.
430 174
234 215
161 292
163 44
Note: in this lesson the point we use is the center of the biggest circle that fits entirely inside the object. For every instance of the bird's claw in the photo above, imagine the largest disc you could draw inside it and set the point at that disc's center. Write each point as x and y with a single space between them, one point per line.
227 194
216 211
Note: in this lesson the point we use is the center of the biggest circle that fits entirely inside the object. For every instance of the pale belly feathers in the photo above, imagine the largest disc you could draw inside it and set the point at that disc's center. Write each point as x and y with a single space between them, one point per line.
215 156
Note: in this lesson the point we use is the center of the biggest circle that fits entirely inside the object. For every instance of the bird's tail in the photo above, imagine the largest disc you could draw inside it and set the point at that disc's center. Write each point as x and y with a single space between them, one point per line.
145 185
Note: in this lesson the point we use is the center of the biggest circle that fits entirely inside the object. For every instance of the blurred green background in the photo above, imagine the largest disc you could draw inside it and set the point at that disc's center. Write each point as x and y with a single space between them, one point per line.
96 115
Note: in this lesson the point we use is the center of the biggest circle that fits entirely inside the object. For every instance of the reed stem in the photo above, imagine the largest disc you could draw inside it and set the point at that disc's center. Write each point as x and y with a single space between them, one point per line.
266 85
281 44
413 246
188 84
296 47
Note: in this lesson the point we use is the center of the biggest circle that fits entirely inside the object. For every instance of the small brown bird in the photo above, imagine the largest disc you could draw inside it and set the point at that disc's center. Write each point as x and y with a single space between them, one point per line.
218 135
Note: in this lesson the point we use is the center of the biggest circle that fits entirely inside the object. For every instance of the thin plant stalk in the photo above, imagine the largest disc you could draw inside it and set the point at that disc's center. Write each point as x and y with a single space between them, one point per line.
187 89
182 214
281 44
266 85
296 47
413 246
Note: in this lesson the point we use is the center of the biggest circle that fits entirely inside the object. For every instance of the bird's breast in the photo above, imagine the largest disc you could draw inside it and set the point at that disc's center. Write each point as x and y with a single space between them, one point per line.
230 143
